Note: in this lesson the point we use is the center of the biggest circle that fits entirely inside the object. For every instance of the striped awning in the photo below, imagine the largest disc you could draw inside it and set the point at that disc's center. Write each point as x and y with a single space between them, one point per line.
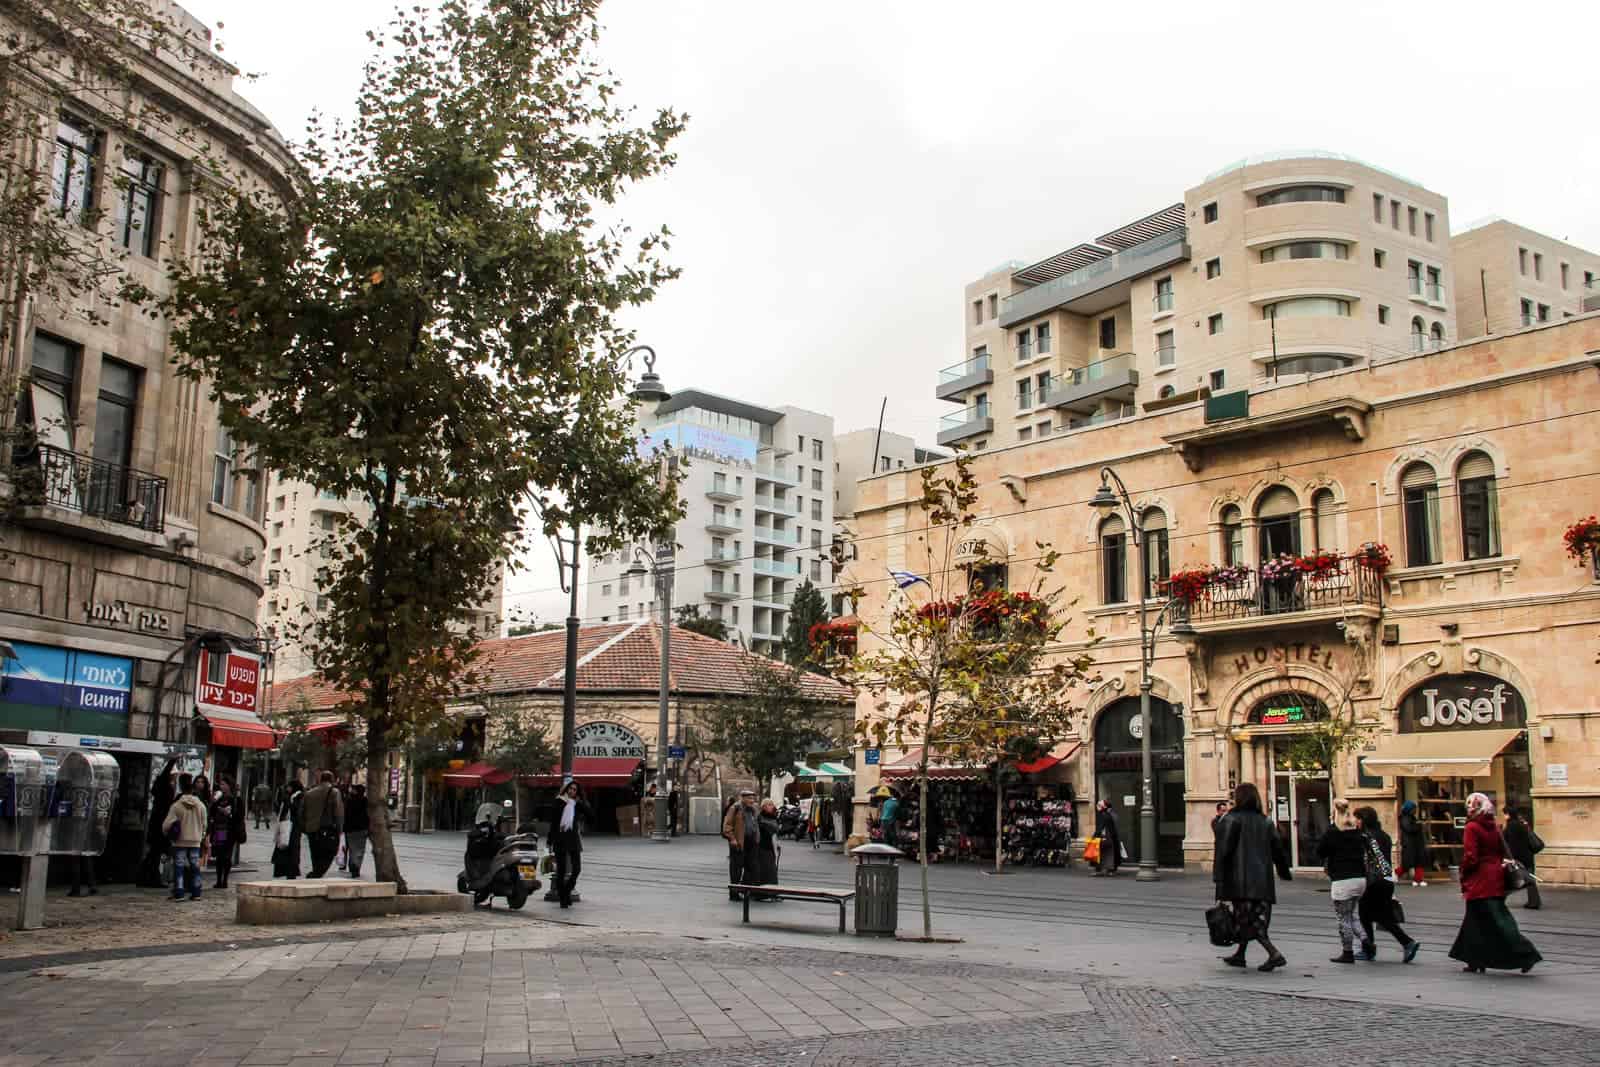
837 770
803 772
1151 226
1052 267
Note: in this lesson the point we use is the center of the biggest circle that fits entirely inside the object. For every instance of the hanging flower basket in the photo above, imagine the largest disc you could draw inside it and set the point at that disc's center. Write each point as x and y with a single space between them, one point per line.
1281 568
1373 556
1189 585
1583 539
1319 566
1233 576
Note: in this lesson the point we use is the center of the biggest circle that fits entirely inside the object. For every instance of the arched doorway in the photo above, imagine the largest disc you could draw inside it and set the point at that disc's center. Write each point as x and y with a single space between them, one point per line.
1118 764
1301 794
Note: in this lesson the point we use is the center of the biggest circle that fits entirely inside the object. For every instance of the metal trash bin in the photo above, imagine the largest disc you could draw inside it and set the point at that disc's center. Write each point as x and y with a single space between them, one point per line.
877 890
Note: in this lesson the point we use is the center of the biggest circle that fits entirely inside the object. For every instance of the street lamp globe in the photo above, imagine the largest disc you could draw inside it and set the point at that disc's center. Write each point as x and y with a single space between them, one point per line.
649 390
1104 500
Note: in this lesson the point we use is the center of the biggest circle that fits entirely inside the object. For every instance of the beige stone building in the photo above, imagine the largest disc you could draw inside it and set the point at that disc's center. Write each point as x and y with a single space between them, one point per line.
1470 659
134 550
1271 268
298 518
1508 276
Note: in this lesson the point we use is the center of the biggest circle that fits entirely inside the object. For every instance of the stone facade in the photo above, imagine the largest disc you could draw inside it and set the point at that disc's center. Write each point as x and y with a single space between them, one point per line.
1396 451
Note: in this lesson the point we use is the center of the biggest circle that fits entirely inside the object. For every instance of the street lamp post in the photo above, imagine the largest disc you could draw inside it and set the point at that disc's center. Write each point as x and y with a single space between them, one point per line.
1105 501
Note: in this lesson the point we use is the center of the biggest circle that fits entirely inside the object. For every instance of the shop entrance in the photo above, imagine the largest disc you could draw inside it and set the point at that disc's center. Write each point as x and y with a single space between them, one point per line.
1118 762
1301 805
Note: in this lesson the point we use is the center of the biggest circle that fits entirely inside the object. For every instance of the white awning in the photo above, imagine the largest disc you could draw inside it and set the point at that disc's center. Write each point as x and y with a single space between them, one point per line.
1456 754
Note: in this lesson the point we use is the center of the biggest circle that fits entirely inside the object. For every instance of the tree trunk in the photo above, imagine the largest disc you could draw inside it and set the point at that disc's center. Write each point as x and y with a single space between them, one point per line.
999 809
922 844
385 864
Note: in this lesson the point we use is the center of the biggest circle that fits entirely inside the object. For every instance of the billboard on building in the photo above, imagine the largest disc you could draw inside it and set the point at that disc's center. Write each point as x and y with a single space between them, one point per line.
228 683
67 681
701 442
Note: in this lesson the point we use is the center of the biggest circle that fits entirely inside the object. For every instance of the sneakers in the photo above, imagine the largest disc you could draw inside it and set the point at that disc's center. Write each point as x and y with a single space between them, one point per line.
1411 950
1419 885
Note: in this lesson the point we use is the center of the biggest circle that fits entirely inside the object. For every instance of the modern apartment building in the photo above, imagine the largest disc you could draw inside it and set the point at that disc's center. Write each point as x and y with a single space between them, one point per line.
860 453
1508 276
1271 268
298 520
758 495
133 529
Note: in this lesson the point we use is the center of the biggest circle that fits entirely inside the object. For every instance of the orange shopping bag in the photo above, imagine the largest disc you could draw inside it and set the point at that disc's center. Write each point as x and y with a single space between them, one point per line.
1091 850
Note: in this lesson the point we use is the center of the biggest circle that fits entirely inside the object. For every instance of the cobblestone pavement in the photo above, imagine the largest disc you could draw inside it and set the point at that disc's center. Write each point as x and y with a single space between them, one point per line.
526 993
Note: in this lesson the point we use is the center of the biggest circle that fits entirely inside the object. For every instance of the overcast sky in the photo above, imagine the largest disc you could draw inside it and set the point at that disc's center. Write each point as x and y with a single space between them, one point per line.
848 167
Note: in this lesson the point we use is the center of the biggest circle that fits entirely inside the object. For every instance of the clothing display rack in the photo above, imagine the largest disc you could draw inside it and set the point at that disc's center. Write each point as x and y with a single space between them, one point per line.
1038 832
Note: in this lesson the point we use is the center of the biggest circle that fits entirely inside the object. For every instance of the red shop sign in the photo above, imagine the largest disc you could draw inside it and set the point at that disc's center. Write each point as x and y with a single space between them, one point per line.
228 683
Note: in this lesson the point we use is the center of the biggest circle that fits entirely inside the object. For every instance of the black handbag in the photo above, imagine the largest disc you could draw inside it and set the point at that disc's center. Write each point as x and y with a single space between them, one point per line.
1535 842
1378 867
1219 922
1517 877
1398 911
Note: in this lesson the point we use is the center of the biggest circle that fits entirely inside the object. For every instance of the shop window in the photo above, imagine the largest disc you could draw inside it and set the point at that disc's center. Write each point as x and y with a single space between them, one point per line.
1419 491
1480 508
1157 563
1232 536
1278 522
1114 561
48 399
1322 520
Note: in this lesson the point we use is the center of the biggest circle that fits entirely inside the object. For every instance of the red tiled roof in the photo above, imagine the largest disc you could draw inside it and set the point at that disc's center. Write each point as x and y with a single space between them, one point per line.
612 658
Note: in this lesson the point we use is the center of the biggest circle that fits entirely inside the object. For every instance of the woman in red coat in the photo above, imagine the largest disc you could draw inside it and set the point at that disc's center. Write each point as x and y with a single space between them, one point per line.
1489 936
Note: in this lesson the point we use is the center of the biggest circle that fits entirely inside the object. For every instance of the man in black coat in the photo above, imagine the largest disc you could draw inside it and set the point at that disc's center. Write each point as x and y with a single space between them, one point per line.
566 840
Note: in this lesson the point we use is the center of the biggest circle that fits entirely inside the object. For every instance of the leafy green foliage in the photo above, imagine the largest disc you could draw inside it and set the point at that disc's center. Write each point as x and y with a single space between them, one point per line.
522 746
807 609
431 328
969 676
773 723
688 617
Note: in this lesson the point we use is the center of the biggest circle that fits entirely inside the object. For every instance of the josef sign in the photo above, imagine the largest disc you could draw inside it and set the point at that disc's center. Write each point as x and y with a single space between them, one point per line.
1462 702
607 739
228 683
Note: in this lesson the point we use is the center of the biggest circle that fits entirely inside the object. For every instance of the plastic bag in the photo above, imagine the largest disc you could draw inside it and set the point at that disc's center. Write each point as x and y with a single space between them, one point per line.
1091 850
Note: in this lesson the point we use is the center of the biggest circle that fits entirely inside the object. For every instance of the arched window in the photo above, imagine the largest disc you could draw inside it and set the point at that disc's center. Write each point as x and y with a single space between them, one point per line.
1419 494
1166 391
1232 536
1157 565
1436 335
1114 561
1322 520
1419 336
1480 506
1278 522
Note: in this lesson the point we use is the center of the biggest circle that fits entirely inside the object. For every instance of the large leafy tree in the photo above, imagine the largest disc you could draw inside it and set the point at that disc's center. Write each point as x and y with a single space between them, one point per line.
431 327
970 674
771 723
522 745
805 611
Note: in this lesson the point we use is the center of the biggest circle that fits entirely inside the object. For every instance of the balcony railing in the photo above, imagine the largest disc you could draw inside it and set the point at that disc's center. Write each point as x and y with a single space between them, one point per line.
1163 302
1100 370
1349 584
957 371
1114 269
1024 351
50 475
961 418
777 568
776 472
1116 414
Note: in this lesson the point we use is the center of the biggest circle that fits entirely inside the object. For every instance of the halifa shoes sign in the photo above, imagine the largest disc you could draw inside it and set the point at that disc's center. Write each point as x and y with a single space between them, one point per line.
1462 701
62 678
607 740
228 683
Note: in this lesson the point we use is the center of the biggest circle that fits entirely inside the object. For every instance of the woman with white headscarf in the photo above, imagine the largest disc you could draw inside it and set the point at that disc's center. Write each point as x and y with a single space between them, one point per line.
1489 937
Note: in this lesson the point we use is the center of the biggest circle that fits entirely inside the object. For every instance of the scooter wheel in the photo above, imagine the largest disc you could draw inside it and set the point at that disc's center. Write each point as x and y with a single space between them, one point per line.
517 899
461 883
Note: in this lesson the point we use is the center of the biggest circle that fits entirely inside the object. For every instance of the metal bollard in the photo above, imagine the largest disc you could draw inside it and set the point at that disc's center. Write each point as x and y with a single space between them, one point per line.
877 890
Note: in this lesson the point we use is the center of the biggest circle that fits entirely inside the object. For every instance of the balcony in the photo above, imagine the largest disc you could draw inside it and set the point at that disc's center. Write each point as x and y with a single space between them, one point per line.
724 494
773 471
722 559
782 537
721 594
1116 414
1591 294
1250 603
777 568
779 601
720 524
53 477
768 502
958 378
1099 285
970 422
1083 388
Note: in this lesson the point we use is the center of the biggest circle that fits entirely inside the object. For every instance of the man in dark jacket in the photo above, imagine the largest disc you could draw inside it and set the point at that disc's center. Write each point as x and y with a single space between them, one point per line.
323 820
1110 835
1519 840
356 824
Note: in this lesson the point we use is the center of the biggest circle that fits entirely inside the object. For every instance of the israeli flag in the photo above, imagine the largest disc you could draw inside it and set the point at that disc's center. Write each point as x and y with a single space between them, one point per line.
905 579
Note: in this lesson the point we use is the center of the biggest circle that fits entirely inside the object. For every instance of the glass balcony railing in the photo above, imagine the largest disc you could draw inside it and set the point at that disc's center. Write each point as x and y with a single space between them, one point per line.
956 372
1115 414
777 568
1104 368
777 472
1024 351
966 415
1163 301
1114 269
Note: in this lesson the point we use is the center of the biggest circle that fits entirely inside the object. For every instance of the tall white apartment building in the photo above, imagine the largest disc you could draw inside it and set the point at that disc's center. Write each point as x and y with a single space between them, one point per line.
298 520
758 495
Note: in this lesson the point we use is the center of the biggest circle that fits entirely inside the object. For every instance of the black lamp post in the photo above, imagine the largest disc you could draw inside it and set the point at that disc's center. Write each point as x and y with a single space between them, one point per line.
1106 501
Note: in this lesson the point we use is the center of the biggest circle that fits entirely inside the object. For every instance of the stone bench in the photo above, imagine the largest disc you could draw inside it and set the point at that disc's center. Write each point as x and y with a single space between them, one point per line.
311 900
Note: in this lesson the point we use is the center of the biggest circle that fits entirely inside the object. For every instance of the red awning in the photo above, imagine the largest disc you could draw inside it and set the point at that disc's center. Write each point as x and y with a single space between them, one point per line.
1060 754
592 770
476 774
239 729
906 767
327 724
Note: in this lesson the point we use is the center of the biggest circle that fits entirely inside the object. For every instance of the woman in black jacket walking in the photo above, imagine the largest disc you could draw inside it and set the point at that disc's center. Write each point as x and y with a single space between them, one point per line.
1522 844
1248 849
566 840
1110 835
1377 903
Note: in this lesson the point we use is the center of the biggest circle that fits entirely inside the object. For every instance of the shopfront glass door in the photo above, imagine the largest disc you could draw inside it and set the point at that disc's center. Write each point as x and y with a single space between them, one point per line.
1301 808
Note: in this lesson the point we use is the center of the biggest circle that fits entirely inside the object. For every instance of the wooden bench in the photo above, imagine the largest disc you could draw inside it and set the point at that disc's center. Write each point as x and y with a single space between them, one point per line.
840 897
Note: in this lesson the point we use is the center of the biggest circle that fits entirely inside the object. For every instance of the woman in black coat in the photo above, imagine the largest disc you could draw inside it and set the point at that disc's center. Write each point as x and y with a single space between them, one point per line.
1248 849
286 856
1110 835
566 840
1413 844
162 794
767 852
1376 907
1519 839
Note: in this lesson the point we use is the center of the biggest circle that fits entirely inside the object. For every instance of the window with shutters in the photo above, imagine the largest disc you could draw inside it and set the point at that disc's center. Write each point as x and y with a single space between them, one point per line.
1113 561
1232 536
1157 562
1419 492
1480 507
1278 522
1322 521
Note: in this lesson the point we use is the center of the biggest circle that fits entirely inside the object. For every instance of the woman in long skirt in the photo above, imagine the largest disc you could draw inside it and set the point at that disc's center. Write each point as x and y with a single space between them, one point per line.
767 854
1489 937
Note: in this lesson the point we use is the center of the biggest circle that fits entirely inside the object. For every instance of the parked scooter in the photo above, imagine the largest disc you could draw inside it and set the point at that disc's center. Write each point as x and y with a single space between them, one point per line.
791 822
499 865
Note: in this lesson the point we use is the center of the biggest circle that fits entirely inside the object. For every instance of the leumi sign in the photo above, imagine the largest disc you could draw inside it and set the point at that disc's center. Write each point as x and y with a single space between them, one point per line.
1462 701
229 683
